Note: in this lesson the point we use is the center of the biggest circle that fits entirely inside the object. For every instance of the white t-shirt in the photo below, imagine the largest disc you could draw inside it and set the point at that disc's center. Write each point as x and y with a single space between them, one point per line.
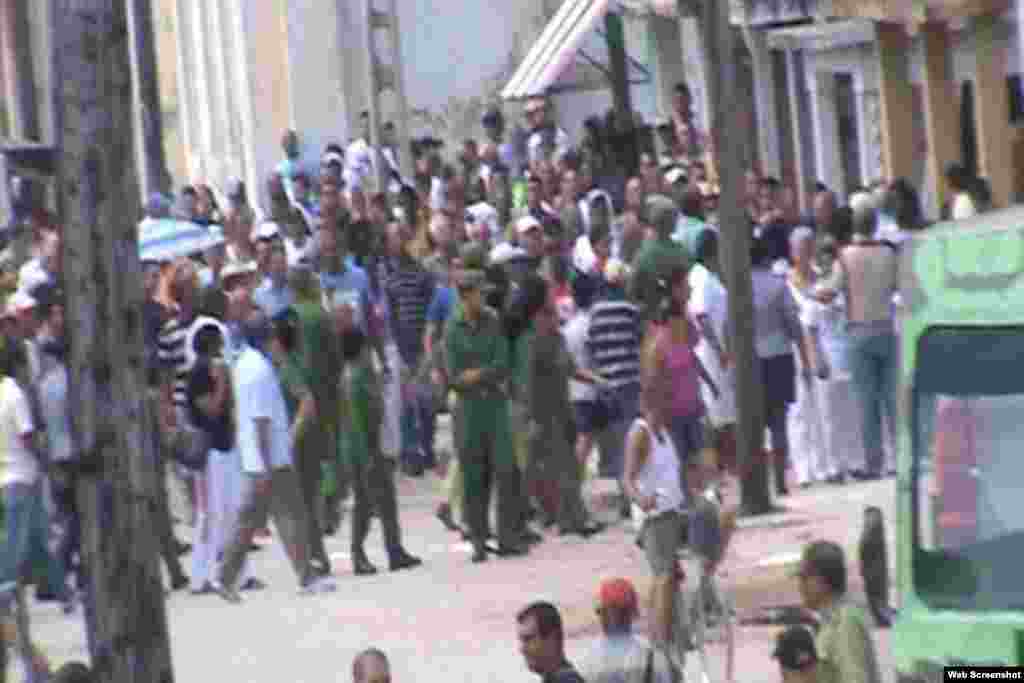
258 395
17 464
575 334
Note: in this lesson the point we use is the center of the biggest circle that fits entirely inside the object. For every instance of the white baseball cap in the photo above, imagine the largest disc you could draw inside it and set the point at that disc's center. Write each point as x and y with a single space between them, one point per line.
526 224
267 230
234 268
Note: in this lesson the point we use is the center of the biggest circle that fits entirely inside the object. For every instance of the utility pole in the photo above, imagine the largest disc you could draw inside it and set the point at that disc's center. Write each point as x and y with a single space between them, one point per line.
116 490
382 77
146 87
728 134
19 74
618 62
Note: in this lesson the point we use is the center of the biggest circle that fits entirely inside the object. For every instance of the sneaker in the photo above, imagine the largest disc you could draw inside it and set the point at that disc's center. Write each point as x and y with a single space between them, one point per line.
226 593
318 586
252 584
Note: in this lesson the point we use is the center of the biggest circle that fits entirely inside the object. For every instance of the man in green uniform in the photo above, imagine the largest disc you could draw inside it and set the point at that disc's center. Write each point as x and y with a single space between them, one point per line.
476 360
658 257
372 473
554 469
317 456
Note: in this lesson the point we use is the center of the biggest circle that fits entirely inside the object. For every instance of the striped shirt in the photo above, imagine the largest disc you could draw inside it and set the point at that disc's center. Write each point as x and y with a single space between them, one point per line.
173 358
410 288
613 341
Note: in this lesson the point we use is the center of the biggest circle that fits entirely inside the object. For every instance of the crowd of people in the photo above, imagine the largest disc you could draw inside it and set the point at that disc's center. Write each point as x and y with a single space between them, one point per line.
552 297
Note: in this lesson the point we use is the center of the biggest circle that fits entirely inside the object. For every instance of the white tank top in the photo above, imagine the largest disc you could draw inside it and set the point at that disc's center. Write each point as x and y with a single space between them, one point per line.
659 475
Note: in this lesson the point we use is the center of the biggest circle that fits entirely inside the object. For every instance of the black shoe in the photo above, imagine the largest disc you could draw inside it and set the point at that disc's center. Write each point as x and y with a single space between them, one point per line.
321 568
179 582
252 584
404 560
585 530
444 514
226 593
362 566
782 491
255 548
625 510
182 548
531 537
510 551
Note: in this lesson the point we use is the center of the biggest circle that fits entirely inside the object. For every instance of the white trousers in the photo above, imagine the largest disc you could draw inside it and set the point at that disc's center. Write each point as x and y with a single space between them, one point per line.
841 413
219 494
807 449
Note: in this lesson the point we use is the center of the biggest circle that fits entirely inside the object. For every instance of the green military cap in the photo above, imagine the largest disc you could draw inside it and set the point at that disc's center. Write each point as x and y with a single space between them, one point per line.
474 257
470 278
661 213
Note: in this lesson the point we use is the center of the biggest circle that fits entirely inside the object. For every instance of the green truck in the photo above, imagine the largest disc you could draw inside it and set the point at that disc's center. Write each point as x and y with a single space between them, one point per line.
960 494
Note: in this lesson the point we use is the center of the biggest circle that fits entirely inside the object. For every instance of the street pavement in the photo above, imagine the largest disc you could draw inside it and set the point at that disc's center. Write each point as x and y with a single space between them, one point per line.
452 620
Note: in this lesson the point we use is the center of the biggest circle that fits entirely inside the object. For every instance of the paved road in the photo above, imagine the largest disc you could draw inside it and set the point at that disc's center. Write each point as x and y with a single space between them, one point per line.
452 620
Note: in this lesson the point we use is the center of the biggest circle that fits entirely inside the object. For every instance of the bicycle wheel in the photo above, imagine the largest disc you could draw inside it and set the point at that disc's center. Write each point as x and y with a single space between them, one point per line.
712 627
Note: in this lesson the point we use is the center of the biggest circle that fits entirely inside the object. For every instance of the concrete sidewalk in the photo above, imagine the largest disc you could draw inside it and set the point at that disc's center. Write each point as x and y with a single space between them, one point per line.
455 621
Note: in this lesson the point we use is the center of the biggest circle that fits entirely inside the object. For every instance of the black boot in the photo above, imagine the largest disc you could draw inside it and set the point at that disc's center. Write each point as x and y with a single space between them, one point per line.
403 560
361 565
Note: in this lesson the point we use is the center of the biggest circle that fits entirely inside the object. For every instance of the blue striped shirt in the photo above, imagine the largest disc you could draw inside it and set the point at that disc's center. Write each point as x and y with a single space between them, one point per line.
613 341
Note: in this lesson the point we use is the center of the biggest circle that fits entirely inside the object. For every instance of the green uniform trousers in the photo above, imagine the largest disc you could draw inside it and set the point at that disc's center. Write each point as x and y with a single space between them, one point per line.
485 453
553 458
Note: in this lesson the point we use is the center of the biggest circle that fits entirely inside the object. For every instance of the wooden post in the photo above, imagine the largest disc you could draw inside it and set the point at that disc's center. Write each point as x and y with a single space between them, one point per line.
995 134
19 75
940 114
897 101
726 128
146 86
117 490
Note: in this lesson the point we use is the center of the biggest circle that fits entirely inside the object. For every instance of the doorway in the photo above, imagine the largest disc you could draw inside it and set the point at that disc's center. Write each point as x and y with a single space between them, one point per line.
849 134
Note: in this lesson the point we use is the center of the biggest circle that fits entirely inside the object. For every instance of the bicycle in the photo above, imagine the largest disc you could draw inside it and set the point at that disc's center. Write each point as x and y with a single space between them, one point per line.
704 618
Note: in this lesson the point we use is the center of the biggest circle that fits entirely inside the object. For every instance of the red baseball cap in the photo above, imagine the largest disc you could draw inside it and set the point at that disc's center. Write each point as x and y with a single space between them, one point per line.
617 594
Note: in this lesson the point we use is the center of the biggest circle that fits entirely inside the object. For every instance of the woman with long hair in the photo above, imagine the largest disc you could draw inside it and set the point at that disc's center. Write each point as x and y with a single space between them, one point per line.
671 359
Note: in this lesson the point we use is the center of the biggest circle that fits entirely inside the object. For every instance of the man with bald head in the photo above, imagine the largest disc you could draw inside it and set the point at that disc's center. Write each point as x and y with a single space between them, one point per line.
371 666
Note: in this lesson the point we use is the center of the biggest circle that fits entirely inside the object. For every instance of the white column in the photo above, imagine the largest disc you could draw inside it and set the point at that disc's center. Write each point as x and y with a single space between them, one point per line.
764 97
695 69
666 55
864 151
828 154
201 84
218 43
187 113
243 87
794 78
235 156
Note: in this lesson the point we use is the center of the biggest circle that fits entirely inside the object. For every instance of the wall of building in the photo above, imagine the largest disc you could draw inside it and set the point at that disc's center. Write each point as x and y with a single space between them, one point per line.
861 61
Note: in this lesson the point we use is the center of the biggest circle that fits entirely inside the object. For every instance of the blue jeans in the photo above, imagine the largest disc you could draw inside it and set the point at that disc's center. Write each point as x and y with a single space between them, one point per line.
873 369
27 550
418 426
611 441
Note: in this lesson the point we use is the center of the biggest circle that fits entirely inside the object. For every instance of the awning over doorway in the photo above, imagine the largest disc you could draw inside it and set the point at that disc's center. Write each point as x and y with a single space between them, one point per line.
568 54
